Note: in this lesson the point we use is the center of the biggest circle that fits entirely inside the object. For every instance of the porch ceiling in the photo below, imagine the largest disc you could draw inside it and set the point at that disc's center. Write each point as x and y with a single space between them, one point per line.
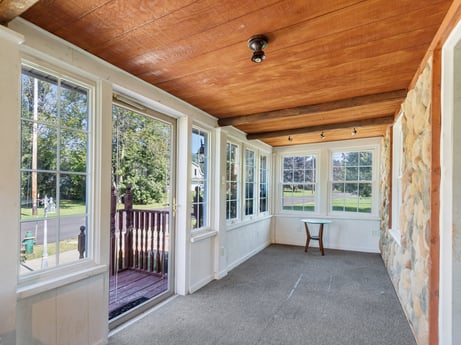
331 65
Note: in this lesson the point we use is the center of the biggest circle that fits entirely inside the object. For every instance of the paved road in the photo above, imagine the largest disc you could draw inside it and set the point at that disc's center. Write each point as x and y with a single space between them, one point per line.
70 228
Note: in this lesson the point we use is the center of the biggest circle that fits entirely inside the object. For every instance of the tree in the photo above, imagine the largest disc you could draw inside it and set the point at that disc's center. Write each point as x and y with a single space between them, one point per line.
355 170
141 151
54 115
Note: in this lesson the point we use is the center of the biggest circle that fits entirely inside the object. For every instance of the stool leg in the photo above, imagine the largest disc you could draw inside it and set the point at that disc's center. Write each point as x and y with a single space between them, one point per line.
308 237
321 239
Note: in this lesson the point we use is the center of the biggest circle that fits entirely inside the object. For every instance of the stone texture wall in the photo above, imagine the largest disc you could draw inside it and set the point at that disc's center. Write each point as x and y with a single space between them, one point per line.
408 263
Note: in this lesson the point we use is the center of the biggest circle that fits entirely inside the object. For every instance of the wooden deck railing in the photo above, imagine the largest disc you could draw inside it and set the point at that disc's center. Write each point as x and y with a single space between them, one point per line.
138 238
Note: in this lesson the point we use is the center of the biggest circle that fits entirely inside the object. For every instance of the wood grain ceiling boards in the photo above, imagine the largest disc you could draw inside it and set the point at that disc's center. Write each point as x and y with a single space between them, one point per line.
319 52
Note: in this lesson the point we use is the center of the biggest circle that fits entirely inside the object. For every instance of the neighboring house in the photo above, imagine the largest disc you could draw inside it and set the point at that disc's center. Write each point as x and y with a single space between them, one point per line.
419 242
197 176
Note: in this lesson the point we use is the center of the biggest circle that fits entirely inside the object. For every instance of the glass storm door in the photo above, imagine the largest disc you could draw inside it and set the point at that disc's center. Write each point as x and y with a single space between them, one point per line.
141 234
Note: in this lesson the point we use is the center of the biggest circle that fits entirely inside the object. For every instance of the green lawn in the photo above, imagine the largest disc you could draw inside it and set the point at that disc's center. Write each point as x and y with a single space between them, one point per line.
340 204
65 246
350 205
299 192
70 208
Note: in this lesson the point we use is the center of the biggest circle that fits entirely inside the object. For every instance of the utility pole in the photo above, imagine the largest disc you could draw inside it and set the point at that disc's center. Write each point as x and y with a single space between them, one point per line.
34 151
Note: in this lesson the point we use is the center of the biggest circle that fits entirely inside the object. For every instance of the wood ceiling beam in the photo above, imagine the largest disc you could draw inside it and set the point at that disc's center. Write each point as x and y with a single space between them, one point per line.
349 103
385 120
10 9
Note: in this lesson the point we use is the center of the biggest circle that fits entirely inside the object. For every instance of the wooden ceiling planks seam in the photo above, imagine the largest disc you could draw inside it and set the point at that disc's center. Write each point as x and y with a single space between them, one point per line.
318 51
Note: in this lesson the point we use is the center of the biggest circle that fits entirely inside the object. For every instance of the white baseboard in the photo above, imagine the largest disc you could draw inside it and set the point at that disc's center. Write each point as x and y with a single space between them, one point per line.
249 255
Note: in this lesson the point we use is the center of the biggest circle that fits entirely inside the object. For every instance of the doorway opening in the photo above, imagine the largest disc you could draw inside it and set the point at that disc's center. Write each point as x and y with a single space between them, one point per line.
142 232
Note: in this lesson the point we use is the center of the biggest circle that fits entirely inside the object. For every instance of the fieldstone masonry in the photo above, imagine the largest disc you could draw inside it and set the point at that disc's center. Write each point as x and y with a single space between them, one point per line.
408 263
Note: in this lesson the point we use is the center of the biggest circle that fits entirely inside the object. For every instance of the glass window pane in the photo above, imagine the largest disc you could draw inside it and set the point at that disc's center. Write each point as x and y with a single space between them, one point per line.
53 201
309 176
38 244
339 173
74 106
288 163
366 158
73 151
352 159
299 179
199 217
233 209
288 176
68 240
365 174
298 176
298 163
351 174
338 159
309 162
355 196
27 128
72 194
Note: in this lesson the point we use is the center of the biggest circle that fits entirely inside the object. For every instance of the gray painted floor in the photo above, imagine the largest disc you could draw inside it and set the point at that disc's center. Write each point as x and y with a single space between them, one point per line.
283 296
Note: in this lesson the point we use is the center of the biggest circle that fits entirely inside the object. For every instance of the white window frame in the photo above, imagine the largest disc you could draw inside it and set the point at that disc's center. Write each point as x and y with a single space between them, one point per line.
397 171
207 179
246 183
45 279
238 175
316 183
374 182
260 183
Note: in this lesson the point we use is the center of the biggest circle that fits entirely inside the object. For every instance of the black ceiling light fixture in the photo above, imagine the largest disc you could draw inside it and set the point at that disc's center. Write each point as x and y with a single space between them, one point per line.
257 43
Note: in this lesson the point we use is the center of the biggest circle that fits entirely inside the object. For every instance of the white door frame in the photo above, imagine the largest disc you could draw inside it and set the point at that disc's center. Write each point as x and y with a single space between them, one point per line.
450 193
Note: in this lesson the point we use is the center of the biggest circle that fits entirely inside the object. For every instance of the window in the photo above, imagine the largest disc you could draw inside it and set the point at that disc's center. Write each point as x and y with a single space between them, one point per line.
299 183
55 127
249 182
397 151
263 206
200 178
351 187
232 183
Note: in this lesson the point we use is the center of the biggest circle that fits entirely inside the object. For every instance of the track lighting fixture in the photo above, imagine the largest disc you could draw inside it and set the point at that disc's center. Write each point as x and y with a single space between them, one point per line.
354 131
322 135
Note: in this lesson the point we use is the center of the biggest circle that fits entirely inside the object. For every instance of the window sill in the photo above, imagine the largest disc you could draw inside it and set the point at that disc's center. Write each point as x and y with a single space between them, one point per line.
246 221
396 235
31 286
200 236
347 217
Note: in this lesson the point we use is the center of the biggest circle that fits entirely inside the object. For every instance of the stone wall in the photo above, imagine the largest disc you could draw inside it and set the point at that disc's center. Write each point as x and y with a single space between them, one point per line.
408 263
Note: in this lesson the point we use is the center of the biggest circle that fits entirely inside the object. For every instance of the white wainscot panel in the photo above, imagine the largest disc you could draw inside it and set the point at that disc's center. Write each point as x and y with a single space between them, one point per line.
346 234
36 319
202 263
73 314
242 242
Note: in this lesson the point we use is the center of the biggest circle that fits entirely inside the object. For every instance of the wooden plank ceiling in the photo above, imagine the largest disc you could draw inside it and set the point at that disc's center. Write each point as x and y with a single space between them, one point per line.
330 66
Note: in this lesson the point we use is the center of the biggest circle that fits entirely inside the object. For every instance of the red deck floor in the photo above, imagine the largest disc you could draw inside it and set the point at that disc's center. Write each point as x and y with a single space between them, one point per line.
131 285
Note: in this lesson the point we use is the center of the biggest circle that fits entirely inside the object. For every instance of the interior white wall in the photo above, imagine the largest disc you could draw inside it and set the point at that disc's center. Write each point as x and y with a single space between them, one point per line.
360 235
10 71
225 245
201 262
450 193
348 231
246 240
